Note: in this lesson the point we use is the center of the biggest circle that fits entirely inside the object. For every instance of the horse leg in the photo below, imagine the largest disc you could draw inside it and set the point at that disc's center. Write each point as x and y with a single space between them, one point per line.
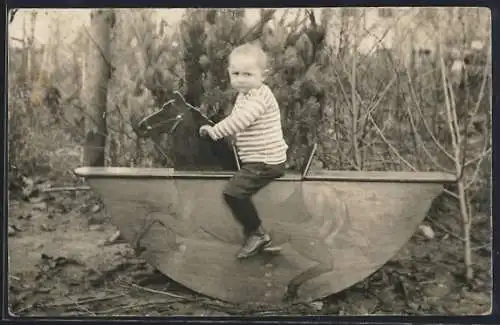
316 250
314 247
310 273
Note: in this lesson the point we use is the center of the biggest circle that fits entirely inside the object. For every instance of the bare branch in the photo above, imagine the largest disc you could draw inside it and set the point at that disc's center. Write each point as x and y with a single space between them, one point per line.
450 118
452 194
349 160
424 122
480 157
381 95
421 142
486 149
480 96
476 169
394 150
344 92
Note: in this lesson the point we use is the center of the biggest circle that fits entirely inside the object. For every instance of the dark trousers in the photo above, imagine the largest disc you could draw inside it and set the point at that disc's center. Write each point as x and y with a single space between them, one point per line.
243 185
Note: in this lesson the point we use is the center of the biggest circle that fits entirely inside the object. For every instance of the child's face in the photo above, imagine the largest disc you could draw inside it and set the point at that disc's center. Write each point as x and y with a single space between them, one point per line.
245 73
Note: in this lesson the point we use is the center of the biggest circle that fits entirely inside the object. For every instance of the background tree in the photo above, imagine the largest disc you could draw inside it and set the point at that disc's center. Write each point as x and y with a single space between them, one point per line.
98 72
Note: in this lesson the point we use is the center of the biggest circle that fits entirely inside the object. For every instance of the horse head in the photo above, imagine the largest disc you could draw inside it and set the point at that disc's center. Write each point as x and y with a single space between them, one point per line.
182 121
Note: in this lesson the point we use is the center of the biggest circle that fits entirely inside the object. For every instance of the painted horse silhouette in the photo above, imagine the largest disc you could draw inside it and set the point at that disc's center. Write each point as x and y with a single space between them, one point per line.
334 228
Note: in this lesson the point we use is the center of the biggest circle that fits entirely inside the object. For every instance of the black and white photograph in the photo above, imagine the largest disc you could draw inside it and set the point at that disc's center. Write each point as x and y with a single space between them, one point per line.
220 162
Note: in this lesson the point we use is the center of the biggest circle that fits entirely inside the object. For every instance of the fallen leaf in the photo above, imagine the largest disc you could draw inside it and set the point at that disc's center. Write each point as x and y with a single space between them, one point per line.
11 231
96 208
317 305
96 227
36 199
40 206
427 231
436 290
37 214
480 298
360 310
44 185
387 296
44 227
28 186
43 290
413 306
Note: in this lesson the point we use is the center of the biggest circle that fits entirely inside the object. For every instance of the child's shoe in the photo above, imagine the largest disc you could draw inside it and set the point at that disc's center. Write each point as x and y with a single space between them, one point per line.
254 243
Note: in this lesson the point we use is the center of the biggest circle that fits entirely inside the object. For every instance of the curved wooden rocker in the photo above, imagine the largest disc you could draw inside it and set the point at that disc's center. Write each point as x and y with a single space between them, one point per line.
334 228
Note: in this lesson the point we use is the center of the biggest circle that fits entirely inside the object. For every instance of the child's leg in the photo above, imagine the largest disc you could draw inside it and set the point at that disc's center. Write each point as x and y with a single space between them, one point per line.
244 212
244 184
237 194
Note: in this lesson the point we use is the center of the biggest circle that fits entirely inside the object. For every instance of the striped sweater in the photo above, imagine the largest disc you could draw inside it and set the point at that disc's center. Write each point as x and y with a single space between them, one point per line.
255 123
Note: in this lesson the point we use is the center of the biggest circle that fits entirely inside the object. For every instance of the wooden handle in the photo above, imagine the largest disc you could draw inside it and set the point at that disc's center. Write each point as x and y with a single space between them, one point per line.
307 165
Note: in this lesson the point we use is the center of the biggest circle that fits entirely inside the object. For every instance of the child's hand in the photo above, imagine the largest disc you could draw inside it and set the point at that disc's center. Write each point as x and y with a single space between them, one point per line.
204 130
207 130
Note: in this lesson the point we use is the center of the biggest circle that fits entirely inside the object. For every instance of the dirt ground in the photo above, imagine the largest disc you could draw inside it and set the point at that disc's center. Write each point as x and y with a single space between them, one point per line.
59 266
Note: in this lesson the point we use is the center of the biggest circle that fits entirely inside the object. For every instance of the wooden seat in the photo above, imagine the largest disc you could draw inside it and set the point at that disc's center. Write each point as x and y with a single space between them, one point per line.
317 175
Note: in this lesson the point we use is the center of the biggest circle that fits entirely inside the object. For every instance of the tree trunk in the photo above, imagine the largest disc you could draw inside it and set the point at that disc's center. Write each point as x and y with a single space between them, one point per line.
193 69
97 72
25 57
343 34
31 49
55 51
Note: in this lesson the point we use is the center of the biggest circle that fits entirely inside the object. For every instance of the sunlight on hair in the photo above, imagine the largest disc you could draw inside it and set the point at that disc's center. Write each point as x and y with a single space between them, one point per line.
252 50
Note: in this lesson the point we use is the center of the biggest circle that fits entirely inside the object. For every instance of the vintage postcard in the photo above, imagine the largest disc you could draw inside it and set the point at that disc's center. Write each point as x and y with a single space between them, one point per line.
257 162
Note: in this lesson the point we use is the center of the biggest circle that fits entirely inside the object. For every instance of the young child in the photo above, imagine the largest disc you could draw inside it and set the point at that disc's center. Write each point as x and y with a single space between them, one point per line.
255 124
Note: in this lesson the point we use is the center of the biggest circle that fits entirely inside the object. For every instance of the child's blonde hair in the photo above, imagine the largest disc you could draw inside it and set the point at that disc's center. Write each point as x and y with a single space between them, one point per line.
253 50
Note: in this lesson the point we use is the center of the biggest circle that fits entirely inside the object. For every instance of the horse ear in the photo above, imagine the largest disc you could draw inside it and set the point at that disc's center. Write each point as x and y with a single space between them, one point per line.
178 97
